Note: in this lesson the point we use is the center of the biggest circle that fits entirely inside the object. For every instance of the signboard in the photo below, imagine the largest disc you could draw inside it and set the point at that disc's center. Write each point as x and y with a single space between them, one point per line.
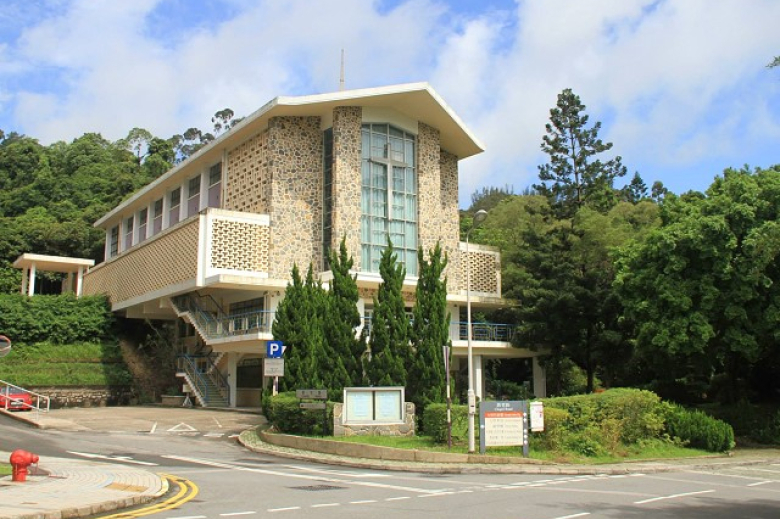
313 394
312 405
503 424
373 405
273 367
537 417
274 349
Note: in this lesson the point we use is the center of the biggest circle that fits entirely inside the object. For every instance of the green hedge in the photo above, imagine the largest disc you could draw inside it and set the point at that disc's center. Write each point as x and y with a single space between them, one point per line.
435 420
284 413
698 429
59 319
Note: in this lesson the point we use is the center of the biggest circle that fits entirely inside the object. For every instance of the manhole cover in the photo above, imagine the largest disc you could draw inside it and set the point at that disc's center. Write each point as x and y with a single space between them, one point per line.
318 488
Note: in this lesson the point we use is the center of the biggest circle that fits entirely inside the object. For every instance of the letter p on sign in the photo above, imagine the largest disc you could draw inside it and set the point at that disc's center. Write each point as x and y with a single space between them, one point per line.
274 349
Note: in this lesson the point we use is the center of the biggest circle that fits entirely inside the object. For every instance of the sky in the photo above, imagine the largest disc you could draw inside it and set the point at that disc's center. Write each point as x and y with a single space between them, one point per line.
681 87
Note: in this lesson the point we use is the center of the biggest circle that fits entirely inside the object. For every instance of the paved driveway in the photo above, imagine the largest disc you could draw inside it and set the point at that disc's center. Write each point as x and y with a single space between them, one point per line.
148 420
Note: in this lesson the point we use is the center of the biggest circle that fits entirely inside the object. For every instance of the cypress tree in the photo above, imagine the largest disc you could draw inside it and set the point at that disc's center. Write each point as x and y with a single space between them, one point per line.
288 328
430 331
390 329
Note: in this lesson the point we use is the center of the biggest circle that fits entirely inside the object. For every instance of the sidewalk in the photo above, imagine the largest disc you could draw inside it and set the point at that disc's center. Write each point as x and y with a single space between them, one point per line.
68 488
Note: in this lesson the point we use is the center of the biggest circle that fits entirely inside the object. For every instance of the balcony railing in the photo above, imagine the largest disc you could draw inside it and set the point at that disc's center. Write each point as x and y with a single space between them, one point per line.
480 331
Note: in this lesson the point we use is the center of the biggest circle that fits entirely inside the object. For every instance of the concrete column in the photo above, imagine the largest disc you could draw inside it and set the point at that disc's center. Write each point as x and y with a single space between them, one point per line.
232 368
80 282
540 379
31 282
24 281
479 378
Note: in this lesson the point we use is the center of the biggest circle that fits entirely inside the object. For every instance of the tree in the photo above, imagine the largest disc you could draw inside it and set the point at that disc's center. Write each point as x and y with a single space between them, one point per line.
137 141
222 120
774 63
289 326
635 191
344 318
574 177
704 289
430 331
390 330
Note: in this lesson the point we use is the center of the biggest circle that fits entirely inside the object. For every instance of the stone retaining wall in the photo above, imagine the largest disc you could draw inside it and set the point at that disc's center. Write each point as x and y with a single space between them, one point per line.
85 396
378 429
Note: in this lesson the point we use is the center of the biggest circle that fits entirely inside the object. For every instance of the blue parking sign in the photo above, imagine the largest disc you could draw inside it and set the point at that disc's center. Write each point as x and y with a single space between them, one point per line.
274 349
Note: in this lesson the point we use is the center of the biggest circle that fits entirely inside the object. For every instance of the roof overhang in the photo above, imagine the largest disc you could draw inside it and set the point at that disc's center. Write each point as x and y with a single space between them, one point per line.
417 101
52 263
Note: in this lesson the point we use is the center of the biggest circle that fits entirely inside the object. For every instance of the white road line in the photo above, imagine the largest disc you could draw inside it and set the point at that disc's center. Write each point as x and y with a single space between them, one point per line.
214 435
324 505
401 498
123 459
673 496
572 516
280 509
762 470
231 514
437 495
189 517
363 502
218 424
154 428
759 483
217 464
336 473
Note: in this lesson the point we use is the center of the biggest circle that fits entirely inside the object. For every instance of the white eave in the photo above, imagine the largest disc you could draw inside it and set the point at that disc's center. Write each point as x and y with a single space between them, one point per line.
417 101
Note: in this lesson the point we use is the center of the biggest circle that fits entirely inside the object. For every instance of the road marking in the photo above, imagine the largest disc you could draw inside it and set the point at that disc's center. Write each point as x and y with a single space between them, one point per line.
437 494
123 459
230 514
572 516
284 509
762 470
218 424
401 498
189 517
673 496
363 502
154 428
217 464
325 505
335 473
187 492
214 435
759 483
182 427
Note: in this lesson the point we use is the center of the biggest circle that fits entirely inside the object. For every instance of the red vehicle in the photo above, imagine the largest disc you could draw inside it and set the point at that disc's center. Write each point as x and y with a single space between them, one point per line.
15 399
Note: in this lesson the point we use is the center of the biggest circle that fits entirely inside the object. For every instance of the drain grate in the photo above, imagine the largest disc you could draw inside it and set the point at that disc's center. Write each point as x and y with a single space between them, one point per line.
318 488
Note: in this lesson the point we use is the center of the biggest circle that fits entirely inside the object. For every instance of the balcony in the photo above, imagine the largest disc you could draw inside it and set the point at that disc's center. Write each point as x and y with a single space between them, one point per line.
213 248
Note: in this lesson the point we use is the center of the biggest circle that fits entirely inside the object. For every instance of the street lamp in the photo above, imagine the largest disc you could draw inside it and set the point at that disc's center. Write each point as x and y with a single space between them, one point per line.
479 217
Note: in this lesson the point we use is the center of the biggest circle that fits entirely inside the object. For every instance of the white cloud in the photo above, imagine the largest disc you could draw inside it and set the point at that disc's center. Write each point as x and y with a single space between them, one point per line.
676 82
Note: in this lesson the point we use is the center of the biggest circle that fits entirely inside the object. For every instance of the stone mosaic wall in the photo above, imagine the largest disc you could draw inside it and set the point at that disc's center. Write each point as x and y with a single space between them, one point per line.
485 269
248 186
167 259
86 396
437 172
342 429
295 166
347 121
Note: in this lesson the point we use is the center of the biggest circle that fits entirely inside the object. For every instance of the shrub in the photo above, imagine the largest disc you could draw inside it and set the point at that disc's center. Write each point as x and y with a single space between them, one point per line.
699 430
59 319
286 415
435 419
555 431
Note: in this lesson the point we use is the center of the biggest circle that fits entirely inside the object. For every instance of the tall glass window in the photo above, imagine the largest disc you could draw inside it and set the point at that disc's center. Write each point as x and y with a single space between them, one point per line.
143 219
327 195
113 247
215 184
173 212
389 196
193 194
128 233
158 216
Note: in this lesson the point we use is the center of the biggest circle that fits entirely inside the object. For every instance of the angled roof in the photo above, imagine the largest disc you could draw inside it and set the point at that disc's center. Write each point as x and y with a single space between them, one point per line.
417 101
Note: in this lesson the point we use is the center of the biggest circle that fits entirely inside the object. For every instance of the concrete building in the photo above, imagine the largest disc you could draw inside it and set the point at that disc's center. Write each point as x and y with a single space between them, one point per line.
213 241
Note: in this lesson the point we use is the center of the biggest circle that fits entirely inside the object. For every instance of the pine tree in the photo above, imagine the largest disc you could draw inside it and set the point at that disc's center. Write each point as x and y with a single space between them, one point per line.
344 318
288 328
574 177
390 330
430 331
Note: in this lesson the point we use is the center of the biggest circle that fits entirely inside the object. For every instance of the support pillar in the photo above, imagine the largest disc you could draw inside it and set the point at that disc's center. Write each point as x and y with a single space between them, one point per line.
24 281
540 379
31 281
232 368
79 282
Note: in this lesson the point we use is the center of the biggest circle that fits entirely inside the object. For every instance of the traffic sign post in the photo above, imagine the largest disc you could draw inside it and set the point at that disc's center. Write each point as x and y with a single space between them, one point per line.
274 349
315 394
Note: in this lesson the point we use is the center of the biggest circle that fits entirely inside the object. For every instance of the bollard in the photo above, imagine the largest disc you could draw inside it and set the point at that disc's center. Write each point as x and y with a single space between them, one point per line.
20 460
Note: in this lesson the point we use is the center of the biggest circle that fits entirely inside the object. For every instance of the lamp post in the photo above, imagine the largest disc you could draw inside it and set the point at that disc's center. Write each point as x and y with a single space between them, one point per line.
479 217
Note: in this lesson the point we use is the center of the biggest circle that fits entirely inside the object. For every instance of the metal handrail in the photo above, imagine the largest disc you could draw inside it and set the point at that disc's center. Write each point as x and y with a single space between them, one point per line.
188 364
5 387
487 331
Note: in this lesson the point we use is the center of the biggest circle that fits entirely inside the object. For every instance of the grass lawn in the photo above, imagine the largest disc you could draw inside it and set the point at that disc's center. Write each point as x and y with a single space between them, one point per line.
650 450
5 469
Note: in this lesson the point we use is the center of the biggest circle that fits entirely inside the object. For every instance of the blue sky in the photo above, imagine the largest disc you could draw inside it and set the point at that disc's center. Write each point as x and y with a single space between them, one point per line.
681 86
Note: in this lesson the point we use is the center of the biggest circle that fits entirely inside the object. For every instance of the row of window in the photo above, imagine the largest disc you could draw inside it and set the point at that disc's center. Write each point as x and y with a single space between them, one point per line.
137 228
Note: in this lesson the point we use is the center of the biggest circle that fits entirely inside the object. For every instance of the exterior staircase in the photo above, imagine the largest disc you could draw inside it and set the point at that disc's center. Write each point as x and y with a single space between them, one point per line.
208 386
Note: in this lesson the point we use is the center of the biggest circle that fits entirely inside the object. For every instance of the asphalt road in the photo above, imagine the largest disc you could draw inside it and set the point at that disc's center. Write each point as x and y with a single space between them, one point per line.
233 482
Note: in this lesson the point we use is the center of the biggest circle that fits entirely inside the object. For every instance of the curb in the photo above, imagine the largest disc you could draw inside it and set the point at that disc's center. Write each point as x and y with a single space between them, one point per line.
16 416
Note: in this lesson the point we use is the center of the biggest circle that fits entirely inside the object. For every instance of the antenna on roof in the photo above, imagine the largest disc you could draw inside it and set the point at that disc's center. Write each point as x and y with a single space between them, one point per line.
341 77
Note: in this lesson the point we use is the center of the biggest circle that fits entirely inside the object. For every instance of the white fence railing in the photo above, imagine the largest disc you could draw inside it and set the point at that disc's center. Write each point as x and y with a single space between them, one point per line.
15 398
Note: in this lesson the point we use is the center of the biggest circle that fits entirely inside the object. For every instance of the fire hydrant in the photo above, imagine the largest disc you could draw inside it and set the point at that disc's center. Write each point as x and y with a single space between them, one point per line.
20 460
